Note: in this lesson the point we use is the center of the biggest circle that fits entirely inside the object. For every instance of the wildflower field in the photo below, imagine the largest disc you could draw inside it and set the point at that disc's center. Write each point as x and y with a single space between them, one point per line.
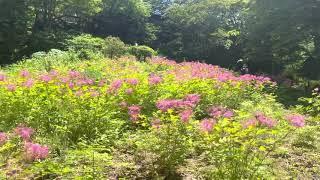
121 118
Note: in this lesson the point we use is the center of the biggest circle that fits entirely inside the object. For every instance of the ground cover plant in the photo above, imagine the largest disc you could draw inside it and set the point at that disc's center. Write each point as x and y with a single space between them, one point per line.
122 118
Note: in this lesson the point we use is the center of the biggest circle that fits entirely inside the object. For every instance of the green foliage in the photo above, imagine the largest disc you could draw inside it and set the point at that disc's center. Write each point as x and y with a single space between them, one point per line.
142 52
86 46
114 47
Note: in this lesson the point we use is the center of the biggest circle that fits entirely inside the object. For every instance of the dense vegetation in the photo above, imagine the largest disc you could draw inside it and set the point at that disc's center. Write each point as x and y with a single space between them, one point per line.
88 90
280 38
65 117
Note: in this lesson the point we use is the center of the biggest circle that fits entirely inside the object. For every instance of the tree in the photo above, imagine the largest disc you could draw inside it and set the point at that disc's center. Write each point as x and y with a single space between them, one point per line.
281 35
114 47
127 19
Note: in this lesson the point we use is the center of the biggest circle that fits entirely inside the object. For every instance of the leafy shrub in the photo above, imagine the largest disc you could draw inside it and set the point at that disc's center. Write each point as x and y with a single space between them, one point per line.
142 52
86 46
114 47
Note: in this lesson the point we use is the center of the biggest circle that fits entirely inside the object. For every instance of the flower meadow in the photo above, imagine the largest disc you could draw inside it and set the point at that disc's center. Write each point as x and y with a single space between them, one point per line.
111 119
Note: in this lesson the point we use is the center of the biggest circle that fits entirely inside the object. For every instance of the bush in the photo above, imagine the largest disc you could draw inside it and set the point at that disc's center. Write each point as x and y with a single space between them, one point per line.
86 46
114 47
142 52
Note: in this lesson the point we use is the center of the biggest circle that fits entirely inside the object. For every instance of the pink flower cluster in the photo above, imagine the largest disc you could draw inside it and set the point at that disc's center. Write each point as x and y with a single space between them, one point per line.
296 120
35 151
261 119
3 138
207 125
32 150
197 70
133 81
24 73
2 77
134 112
24 132
219 111
154 79
189 101
115 86
185 115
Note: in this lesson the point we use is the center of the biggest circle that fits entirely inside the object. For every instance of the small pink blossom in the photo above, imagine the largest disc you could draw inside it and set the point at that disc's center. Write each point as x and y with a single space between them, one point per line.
3 138
166 104
228 114
54 73
45 78
24 132
265 121
192 99
71 85
207 125
250 123
218 112
134 112
24 73
296 120
11 87
133 81
35 151
74 74
102 83
129 91
94 93
115 85
154 79
29 83
186 115
2 77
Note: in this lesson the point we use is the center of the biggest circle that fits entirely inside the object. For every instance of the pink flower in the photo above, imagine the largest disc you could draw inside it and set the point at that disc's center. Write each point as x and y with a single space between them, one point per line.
45 78
102 83
296 120
11 87
133 81
154 79
2 77
265 121
54 73
192 100
71 85
206 125
29 83
3 138
186 115
24 73
24 132
166 104
250 123
64 79
129 91
134 112
74 74
218 112
228 114
35 151
94 93
115 86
